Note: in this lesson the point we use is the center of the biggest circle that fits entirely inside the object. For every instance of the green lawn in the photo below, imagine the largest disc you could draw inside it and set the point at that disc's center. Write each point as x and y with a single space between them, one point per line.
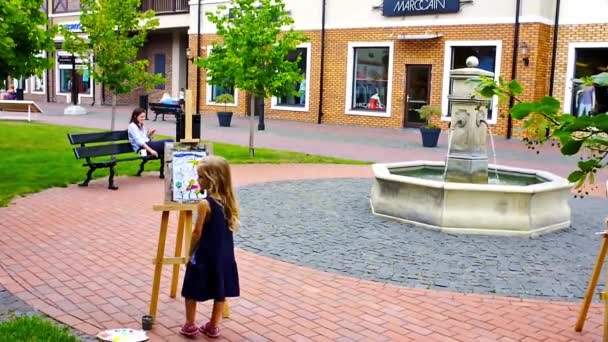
34 329
34 157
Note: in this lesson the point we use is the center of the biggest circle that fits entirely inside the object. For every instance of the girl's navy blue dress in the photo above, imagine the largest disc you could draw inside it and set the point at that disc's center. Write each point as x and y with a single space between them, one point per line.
212 272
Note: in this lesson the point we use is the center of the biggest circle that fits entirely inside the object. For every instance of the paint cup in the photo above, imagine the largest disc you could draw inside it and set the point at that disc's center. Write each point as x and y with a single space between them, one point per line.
146 322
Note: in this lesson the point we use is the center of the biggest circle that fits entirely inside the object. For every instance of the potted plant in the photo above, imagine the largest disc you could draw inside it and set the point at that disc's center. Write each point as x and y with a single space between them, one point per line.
224 117
430 132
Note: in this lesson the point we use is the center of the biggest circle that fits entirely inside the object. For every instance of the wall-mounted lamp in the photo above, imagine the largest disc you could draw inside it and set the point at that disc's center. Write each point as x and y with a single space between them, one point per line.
524 50
189 55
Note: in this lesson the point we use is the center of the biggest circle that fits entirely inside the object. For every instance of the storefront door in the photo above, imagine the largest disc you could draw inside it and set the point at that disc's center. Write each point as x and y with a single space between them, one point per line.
417 93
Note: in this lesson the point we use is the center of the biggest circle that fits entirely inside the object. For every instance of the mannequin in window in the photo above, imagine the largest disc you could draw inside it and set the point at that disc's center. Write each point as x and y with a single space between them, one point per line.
302 91
374 102
586 98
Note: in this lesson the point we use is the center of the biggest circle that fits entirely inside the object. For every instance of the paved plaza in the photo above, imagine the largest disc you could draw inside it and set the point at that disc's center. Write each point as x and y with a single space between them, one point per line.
328 225
314 263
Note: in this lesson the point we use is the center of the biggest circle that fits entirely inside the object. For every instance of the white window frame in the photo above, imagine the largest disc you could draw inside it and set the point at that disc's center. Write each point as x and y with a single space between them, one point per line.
447 65
25 81
44 80
69 67
350 71
571 69
210 89
274 101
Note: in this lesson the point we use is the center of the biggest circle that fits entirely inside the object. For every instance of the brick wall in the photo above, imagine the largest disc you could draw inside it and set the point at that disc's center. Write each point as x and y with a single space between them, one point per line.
534 77
156 44
574 34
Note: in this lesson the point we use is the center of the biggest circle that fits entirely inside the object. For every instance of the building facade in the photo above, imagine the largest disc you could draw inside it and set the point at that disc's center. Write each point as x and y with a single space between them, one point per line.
165 49
374 63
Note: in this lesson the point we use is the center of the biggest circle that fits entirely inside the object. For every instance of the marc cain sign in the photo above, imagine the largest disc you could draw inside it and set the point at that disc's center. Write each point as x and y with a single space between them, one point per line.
402 8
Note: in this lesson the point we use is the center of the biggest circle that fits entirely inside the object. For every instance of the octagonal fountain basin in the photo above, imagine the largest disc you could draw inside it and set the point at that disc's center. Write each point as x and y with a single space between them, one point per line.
519 202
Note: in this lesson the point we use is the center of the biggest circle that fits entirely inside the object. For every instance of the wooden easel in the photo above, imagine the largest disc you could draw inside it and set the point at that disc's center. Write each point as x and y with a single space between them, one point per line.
595 275
184 229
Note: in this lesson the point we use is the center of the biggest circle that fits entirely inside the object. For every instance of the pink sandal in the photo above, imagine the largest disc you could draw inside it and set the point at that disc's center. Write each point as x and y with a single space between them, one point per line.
189 330
210 331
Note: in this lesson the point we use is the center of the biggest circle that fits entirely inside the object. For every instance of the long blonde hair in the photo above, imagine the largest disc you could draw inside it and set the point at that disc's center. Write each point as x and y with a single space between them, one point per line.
216 171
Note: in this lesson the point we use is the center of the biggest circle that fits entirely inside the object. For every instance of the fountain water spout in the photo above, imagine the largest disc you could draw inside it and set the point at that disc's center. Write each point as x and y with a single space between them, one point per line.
467 160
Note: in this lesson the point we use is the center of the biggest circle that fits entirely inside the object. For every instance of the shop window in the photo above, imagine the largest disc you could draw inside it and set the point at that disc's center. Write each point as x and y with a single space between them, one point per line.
587 97
488 53
83 80
217 90
301 98
213 91
38 84
160 68
22 82
370 87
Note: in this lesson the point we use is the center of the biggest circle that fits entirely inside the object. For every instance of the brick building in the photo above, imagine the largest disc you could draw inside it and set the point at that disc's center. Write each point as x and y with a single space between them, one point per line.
374 63
165 50
382 60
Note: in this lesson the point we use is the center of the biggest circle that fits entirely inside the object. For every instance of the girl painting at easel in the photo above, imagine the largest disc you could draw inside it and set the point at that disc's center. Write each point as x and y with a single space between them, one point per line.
211 273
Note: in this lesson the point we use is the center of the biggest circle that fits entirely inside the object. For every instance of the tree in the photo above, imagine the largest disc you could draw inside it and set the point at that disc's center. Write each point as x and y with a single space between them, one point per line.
252 55
586 136
116 30
24 38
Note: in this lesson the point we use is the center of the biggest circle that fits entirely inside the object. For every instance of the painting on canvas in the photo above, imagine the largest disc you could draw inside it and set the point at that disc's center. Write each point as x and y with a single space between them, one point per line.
185 186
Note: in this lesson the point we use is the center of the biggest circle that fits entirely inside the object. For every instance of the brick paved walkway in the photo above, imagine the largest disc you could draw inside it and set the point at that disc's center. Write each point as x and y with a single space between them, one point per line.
83 256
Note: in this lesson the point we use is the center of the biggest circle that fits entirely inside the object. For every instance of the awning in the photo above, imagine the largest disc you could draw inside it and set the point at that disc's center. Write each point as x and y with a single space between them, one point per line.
419 36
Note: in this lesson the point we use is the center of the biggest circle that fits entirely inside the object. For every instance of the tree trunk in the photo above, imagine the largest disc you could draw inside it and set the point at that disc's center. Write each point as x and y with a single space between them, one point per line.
251 124
112 124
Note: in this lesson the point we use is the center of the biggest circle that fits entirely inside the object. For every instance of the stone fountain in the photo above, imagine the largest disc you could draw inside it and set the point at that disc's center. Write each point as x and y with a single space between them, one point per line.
465 194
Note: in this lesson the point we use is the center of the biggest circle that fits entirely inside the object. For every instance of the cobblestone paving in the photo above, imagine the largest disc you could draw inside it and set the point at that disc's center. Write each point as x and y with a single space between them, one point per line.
328 225
11 306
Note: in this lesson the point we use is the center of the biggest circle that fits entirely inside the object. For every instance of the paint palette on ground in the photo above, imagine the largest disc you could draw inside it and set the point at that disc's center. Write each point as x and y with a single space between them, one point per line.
123 335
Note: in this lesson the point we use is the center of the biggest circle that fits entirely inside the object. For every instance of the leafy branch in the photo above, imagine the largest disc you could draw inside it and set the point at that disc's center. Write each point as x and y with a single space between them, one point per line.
544 121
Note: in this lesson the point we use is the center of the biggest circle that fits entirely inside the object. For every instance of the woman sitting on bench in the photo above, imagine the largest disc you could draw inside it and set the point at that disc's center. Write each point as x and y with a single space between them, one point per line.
141 140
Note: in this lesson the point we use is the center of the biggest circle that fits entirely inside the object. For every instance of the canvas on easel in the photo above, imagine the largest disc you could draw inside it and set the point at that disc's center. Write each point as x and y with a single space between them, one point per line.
181 181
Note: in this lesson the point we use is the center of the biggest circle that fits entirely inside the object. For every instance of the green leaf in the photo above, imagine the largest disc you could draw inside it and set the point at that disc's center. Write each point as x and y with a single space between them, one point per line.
522 110
601 79
549 105
600 121
515 88
487 91
589 165
578 124
571 146
576 176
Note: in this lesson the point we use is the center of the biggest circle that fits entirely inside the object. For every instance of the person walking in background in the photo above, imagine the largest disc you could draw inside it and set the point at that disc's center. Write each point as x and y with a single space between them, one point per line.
10 93
141 140
211 273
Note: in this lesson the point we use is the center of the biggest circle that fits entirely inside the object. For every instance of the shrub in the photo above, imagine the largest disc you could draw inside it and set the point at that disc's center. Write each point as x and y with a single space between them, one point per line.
428 113
225 99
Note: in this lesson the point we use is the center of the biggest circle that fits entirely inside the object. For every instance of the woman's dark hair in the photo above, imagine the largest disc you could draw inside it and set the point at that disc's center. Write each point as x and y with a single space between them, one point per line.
135 114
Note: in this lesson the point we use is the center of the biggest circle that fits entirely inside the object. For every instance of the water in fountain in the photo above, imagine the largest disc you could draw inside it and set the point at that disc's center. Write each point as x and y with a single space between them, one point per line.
493 152
447 160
